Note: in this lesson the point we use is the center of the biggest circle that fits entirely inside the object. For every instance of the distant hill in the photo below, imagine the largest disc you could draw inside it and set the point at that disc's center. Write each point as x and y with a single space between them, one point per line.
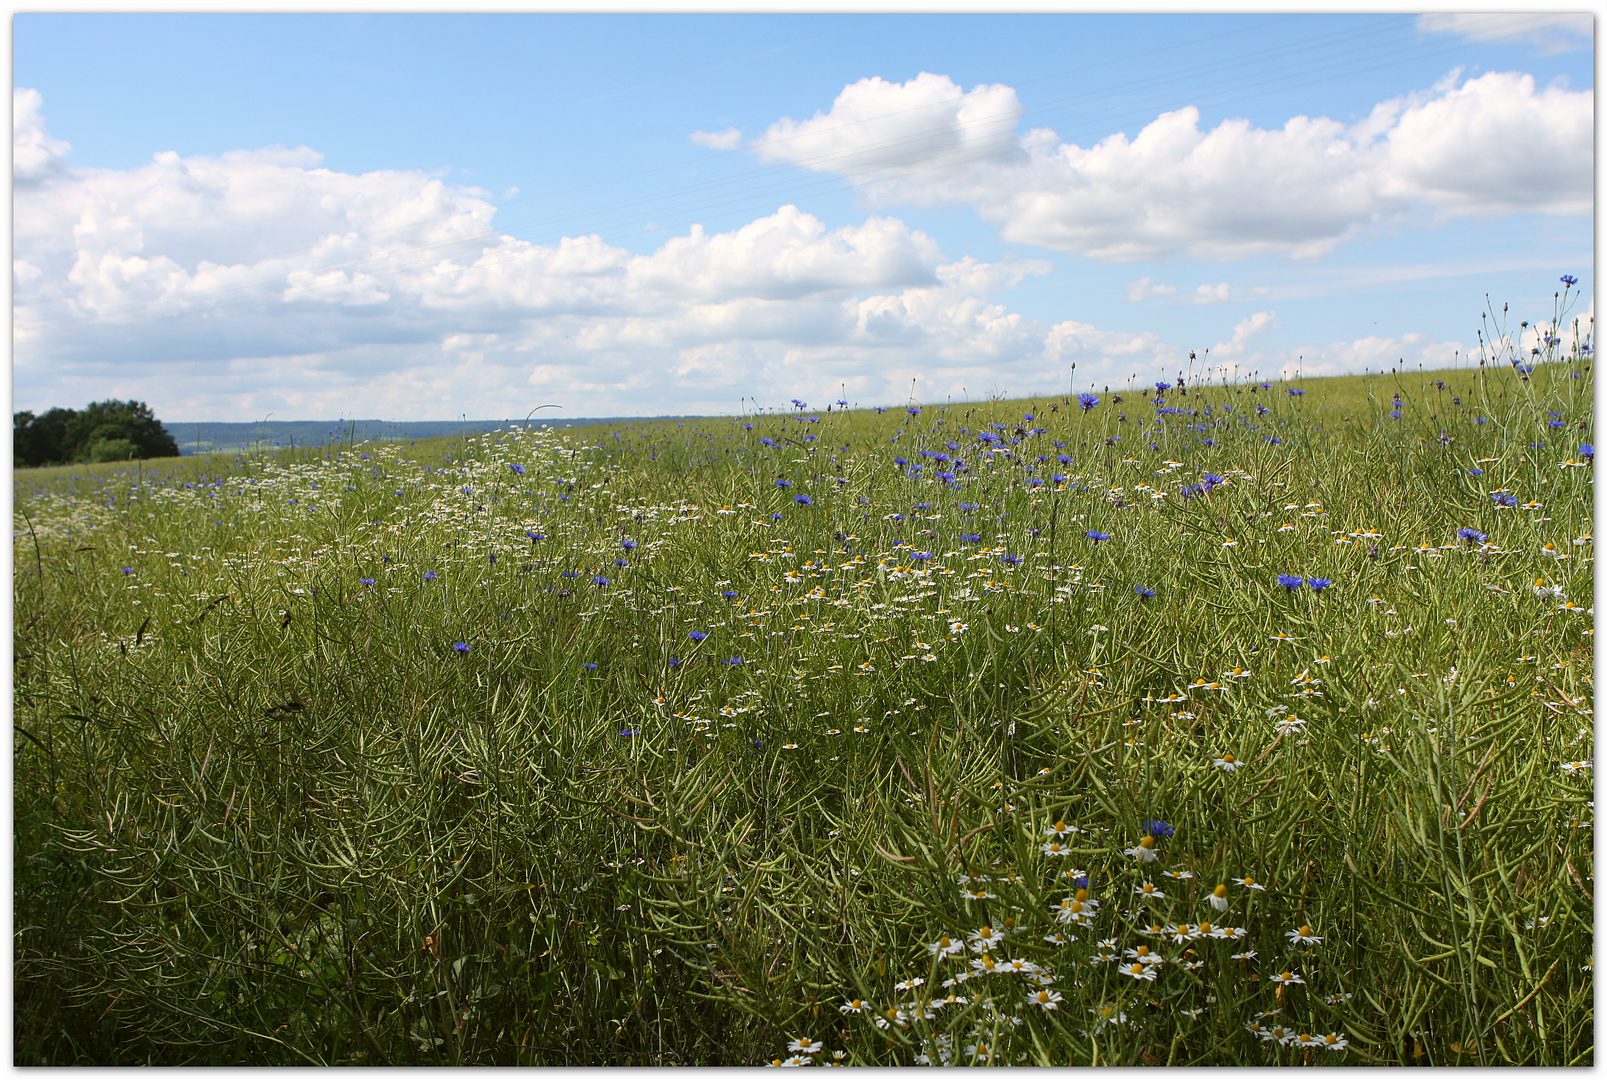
206 436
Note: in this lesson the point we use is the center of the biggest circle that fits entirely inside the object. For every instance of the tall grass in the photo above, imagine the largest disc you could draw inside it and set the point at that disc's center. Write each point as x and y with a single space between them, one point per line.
603 747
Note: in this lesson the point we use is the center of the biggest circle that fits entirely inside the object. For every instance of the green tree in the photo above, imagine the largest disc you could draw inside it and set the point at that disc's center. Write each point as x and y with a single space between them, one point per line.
40 440
108 422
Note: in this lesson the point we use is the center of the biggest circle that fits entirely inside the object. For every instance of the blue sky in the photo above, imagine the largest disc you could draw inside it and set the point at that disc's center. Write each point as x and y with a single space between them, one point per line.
418 217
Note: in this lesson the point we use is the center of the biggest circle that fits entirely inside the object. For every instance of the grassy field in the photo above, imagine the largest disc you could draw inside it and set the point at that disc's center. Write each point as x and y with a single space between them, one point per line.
1208 725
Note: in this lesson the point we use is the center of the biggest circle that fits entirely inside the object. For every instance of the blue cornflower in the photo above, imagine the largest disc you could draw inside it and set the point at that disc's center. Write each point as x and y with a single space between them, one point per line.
775 517
971 538
617 562
1087 401
1588 452
461 647
901 462
128 569
1569 280
429 575
534 536
1290 581
1097 536
1162 387
1503 499
674 661
735 660
729 595
600 580
1318 583
365 582
916 556
1555 424
628 732
1272 440
1475 472
697 635
1143 593
1159 829
569 573
589 667
1294 391
783 483
913 411
1059 478
1010 560
803 500
767 441
628 544
517 470
747 427
1472 536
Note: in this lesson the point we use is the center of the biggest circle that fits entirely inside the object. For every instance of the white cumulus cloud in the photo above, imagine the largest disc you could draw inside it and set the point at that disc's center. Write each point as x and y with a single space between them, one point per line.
230 286
1220 293
1146 288
1462 147
34 154
729 139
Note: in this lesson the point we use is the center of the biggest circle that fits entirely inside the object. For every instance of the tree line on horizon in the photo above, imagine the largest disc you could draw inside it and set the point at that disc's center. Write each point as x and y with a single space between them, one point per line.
109 430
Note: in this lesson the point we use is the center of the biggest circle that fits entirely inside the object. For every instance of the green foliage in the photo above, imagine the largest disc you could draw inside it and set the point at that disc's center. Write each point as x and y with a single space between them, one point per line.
103 450
40 440
103 431
266 812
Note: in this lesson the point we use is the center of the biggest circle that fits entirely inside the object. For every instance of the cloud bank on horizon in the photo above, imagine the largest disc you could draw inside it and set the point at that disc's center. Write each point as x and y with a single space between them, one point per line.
275 284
